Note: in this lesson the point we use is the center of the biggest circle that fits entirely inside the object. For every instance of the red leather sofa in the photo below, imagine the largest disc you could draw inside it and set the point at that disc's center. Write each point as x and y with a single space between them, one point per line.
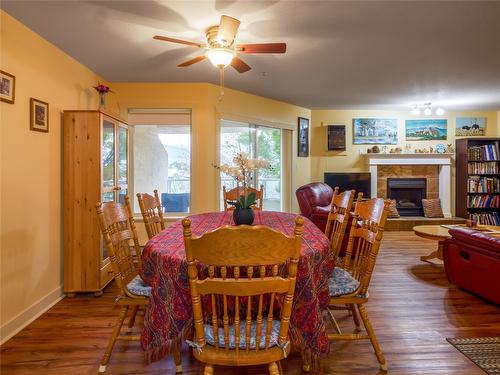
472 262
314 202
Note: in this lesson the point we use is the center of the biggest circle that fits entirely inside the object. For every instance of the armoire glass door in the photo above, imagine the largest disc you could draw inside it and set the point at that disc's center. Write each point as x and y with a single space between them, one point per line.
108 161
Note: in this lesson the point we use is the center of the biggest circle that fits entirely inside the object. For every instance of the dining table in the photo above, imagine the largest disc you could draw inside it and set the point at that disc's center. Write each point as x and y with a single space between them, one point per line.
168 316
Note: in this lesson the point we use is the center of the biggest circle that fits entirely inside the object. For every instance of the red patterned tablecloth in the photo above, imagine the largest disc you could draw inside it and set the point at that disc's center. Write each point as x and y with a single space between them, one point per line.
169 313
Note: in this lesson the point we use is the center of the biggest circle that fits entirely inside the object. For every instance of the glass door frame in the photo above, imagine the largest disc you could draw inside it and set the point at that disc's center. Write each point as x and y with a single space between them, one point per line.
117 124
255 124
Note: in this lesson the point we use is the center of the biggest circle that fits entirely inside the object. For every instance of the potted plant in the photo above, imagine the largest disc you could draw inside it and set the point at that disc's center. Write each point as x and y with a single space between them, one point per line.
242 172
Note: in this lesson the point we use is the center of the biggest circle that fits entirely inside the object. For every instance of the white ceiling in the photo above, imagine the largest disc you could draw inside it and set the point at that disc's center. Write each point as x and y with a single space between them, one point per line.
346 54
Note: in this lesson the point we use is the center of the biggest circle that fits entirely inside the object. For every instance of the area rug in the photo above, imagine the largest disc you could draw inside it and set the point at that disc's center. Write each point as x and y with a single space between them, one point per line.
483 351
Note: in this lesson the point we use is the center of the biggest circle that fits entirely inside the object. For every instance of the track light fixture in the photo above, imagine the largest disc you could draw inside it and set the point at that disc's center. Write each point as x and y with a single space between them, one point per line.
427 109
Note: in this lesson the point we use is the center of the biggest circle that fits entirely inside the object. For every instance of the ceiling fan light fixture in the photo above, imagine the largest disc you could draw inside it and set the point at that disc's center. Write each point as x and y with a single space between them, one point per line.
439 111
220 56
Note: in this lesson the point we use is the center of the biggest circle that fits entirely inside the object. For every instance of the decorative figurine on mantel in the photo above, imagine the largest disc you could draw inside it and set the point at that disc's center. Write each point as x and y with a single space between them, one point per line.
397 150
450 149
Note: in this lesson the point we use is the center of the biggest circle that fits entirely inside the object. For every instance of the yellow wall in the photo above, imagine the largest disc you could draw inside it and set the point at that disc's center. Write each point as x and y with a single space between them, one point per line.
31 173
203 99
350 161
31 164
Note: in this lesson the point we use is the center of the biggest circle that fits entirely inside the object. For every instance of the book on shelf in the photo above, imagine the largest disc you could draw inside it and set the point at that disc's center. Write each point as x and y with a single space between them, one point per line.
477 184
482 168
483 201
487 152
490 218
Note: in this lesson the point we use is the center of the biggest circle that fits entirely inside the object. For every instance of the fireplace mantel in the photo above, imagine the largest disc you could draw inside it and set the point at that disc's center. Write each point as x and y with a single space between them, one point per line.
442 160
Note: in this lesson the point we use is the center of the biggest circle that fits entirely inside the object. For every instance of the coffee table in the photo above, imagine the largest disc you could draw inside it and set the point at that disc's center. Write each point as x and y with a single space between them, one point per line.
432 232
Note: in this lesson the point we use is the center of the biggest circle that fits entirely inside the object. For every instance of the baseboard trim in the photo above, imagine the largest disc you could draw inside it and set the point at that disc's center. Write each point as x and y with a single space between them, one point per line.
16 324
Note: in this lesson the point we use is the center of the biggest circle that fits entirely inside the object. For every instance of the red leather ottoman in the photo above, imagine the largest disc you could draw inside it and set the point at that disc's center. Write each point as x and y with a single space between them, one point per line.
472 262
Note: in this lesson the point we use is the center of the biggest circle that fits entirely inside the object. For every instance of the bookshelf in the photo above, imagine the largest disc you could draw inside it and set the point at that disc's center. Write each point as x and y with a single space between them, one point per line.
477 179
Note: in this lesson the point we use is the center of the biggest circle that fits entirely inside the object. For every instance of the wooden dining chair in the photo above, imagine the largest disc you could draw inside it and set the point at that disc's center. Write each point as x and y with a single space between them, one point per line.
119 232
349 284
234 194
151 212
338 218
236 259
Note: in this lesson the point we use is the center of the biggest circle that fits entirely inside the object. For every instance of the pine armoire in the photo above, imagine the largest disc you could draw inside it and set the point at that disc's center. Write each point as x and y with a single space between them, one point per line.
95 169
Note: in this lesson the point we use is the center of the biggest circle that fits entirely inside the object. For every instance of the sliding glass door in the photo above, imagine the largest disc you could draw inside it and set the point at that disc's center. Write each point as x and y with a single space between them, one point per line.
256 141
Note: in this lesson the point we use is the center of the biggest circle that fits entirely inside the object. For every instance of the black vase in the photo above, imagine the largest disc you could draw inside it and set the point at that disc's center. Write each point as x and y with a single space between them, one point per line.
243 216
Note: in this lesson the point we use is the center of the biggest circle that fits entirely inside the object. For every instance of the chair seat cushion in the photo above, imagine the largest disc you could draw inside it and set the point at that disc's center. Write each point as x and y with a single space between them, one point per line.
139 287
275 330
341 283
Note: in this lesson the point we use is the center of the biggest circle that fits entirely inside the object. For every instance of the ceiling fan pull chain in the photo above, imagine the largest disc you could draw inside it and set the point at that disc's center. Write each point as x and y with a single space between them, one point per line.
221 68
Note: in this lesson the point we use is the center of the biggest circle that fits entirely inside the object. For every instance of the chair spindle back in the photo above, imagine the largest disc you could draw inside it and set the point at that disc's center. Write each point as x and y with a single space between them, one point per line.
338 217
364 240
234 194
243 271
118 229
152 213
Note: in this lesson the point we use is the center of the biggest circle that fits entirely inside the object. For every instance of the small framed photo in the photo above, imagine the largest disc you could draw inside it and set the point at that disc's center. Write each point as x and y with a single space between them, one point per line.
7 87
303 137
39 115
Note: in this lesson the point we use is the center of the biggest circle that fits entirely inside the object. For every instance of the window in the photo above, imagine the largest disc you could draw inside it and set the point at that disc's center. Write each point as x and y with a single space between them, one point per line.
162 159
256 141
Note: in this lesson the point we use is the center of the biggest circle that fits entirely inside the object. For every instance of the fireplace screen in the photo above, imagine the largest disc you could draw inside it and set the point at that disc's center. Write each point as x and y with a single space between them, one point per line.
408 193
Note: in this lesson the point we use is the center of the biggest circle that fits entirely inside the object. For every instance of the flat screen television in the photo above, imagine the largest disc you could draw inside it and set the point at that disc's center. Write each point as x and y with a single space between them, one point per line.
348 181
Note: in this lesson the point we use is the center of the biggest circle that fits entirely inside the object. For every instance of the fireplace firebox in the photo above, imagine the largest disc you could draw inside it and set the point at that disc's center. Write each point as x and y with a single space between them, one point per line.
408 193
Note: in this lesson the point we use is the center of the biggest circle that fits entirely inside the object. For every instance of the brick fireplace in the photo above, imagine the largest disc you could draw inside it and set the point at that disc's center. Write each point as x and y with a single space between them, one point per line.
435 169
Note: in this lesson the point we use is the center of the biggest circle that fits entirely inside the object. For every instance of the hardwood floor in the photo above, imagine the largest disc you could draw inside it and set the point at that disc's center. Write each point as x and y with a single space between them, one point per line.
412 308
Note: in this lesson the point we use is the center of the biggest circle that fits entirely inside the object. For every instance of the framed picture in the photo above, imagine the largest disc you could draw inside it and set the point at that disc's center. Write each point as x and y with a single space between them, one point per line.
467 126
303 137
369 131
336 137
7 87
39 115
426 130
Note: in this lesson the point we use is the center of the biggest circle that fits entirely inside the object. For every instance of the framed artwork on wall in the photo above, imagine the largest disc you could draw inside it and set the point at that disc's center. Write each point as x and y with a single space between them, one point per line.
426 130
303 137
7 87
336 137
368 131
39 115
467 126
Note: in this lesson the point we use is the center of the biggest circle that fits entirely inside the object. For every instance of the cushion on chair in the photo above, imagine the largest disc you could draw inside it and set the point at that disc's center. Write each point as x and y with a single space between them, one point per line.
341 283
139 287
209 337
432 207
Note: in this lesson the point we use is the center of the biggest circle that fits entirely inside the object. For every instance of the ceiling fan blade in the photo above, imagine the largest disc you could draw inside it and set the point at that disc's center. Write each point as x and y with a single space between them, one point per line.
262 48
179 41
228 28
192 61
240 65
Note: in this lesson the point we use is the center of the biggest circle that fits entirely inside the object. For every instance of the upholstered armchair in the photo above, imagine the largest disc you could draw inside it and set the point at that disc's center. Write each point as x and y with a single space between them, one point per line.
314 202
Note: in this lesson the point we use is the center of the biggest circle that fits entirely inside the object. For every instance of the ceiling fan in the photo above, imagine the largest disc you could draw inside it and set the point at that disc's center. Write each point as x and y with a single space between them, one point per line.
220 47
